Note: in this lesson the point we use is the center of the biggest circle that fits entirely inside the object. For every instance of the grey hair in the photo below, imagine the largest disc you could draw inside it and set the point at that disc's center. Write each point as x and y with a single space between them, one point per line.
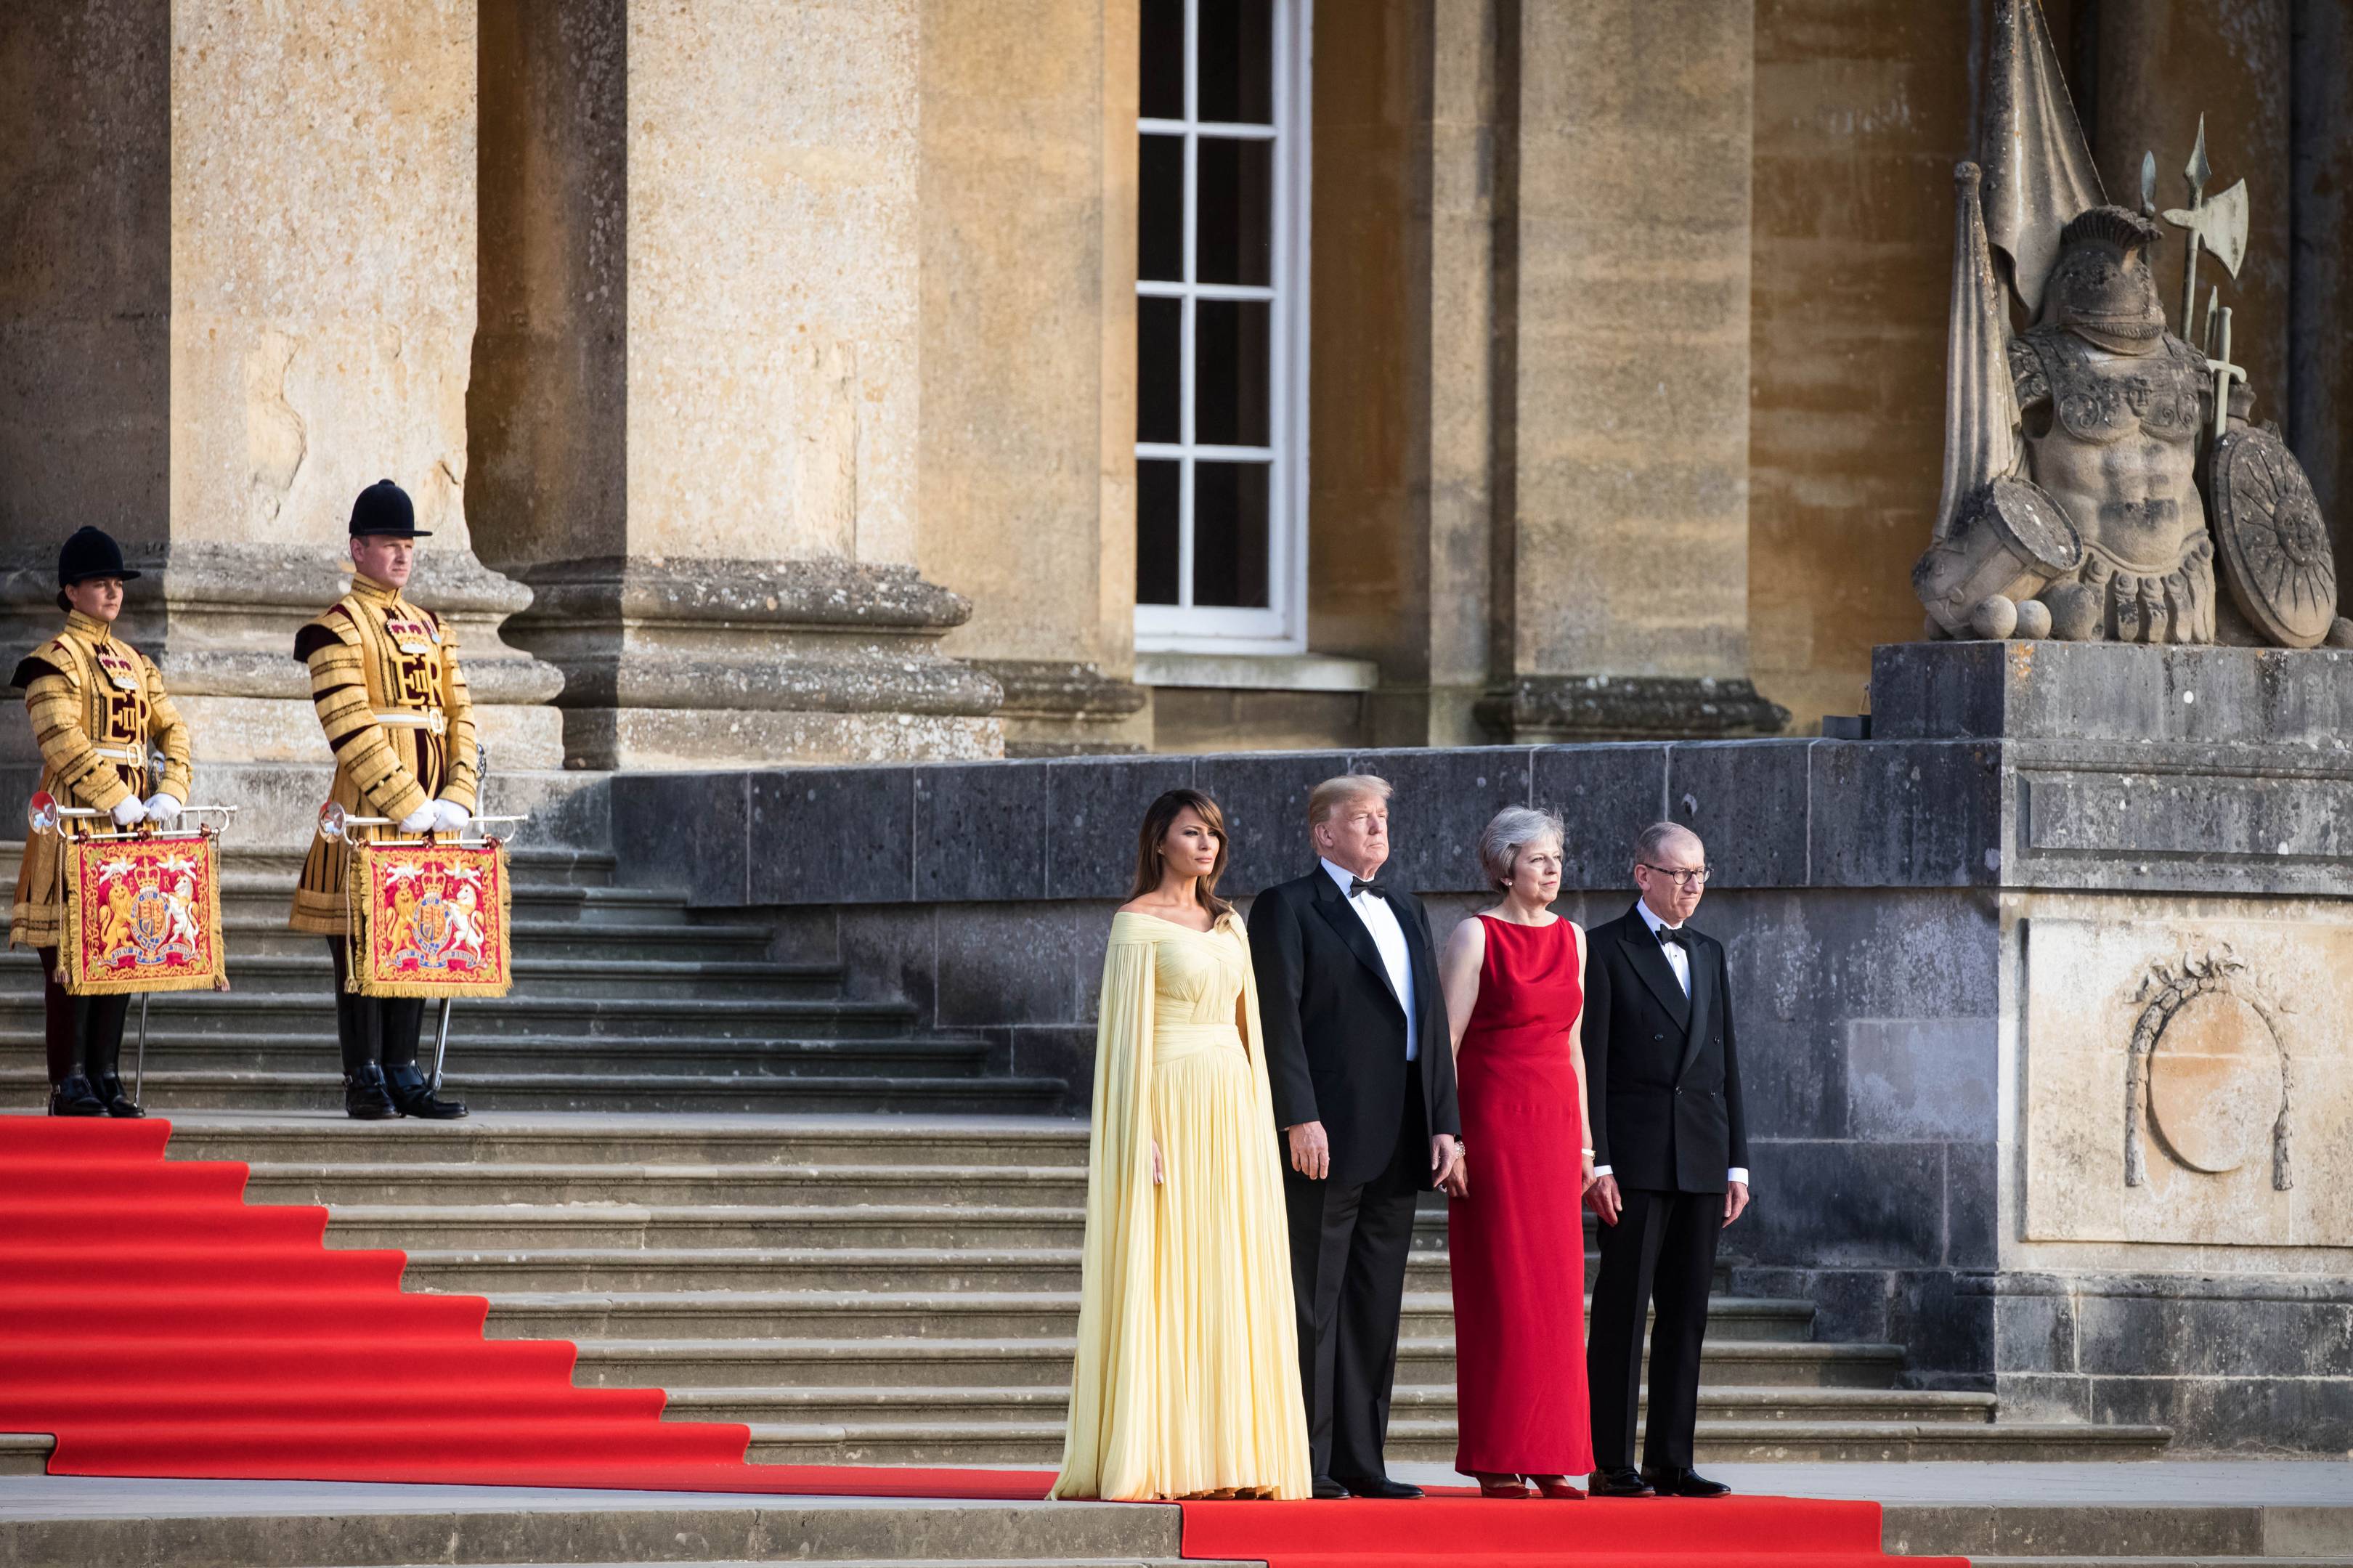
1514 828
1656 836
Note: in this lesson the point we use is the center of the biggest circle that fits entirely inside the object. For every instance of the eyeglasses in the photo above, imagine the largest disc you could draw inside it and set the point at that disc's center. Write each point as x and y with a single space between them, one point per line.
1681 878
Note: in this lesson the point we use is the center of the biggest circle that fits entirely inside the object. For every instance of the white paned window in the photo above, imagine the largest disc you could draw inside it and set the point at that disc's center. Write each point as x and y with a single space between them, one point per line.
1220 329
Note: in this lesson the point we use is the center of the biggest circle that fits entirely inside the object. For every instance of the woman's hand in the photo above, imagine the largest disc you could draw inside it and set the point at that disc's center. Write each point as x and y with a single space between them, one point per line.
1585 1174
1458 1183
1156 1162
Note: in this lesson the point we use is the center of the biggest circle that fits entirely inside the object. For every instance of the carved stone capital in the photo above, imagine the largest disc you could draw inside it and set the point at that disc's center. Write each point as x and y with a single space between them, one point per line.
1629 707
1056 708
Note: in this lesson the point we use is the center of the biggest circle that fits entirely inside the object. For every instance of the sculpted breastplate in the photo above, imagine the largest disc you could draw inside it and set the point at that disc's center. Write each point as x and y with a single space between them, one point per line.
2104 400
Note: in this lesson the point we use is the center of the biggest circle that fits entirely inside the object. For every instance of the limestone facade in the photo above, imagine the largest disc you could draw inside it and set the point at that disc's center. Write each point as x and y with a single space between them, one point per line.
772 374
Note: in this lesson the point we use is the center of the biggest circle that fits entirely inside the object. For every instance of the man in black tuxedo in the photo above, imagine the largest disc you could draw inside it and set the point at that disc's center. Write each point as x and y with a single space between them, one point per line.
1671 1159
1357 1051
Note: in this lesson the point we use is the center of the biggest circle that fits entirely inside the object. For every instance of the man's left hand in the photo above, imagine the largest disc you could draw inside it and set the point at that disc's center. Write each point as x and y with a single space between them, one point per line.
1443 1156
1735 1200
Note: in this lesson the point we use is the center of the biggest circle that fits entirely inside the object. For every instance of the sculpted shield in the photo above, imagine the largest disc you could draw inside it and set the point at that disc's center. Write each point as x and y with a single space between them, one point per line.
430 919
142 914
2275 546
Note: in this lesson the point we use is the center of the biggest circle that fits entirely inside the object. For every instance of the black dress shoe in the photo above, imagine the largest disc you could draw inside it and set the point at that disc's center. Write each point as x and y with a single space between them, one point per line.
110 1091
415 1097
1326 1487
1383 1487
75 1095
364 1096
1674 1480
1623 1481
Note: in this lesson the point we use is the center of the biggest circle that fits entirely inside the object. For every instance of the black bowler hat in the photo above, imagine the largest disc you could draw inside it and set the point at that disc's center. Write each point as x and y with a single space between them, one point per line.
90 552
383 509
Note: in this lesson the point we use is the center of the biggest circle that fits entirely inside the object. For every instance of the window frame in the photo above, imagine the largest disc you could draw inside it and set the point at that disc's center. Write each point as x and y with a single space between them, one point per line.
1282 627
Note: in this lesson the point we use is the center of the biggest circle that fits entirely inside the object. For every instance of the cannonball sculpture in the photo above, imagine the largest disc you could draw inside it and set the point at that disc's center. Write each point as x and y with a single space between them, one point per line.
1994 619
2033 620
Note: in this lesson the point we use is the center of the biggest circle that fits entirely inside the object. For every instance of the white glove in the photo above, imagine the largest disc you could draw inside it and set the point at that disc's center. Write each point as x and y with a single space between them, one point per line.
419 821
449 816
163 809
129 812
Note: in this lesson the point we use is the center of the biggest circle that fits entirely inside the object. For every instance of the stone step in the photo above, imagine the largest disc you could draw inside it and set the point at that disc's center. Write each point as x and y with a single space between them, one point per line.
26 1453
627 936
967 1312
539 1012
1033 1362
306 975
217 1528
763 1185
479 1058
1022 1412
682 1139
2134 1560
709 1225
2121 1523
168 1093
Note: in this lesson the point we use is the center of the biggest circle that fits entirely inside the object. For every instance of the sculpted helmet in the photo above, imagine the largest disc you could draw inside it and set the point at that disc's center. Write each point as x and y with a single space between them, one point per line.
2102 285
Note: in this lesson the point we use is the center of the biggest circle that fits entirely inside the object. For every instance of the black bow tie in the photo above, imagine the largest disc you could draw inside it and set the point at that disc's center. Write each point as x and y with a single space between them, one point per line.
1358 885
1675 934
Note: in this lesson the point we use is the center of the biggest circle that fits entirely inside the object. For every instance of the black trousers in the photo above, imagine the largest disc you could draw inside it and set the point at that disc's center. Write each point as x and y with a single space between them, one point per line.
1348 1252
1663 1247
382 1029
84 1033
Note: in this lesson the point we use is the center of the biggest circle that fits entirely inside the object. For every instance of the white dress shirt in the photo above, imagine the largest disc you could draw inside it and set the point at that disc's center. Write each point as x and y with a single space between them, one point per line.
1388 936
1680 961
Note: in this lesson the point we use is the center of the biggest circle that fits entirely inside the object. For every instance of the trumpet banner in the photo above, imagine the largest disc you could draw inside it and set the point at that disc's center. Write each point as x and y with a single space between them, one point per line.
142 914
430 919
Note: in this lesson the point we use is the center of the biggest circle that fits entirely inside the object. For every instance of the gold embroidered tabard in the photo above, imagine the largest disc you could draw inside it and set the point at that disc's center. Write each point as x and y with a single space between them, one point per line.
99 710
391 701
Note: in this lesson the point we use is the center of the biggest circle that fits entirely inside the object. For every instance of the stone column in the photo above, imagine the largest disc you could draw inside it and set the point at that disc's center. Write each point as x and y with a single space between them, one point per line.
742 175
1626 613
256 299
1026 475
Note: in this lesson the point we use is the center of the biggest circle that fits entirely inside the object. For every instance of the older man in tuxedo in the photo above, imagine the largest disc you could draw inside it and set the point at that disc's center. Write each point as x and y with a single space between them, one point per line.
1356 1052
1671 1155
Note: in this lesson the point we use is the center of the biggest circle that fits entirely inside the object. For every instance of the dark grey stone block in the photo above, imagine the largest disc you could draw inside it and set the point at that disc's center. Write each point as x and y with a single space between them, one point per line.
1014 964
1095 806
1264 798
2250 1414
1945 1321
1746 799
832 836
1791 1085
981 831
1920 814
1604 795
2126 1334
2033 1333
1973 1202
2043 1396
2118 815
1066 1051
2111 691
687 833
1921 1077
1443 800
1848 1304
1847 1204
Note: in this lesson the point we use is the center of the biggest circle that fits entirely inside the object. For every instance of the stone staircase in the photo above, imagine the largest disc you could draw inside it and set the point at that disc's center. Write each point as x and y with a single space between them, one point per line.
623 1000
677 1161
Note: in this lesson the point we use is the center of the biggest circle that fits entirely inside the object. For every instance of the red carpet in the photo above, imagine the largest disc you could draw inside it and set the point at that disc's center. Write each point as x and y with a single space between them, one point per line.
157 1325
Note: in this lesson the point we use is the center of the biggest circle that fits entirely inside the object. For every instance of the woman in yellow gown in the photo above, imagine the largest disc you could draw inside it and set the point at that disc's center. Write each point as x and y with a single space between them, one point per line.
1187 1379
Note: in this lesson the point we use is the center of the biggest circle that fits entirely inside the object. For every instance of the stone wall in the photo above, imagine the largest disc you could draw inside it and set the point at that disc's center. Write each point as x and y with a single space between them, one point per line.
1943 945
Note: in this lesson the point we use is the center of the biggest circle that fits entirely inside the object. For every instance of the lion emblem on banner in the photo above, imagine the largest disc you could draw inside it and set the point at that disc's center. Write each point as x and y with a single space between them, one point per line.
433 920
145 916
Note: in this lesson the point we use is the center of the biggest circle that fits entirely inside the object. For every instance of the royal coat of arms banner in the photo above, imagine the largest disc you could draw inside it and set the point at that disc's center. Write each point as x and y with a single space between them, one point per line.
142 914
430 919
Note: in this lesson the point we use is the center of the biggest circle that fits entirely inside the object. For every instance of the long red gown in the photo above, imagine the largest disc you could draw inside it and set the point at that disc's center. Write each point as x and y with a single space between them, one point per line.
1518 1240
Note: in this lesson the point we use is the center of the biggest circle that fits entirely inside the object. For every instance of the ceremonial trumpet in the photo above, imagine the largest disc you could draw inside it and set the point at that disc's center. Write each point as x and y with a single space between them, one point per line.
334 823
43 815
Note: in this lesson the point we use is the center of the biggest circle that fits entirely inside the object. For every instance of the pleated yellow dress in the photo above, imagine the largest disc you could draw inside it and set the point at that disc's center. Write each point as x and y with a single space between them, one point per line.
1186 1377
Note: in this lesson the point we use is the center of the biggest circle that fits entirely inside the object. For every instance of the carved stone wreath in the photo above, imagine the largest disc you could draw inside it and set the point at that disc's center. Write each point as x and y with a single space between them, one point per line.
2275 551
2208 1073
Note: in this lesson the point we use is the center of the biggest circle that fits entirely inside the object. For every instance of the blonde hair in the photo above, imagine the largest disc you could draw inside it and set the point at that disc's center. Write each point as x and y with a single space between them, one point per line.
1335 792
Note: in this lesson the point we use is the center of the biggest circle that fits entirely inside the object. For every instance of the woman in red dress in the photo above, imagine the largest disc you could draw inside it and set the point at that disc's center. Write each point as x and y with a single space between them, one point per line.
1515 994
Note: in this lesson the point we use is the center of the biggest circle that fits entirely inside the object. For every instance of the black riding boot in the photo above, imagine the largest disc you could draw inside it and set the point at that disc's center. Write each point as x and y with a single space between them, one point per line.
70 1091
